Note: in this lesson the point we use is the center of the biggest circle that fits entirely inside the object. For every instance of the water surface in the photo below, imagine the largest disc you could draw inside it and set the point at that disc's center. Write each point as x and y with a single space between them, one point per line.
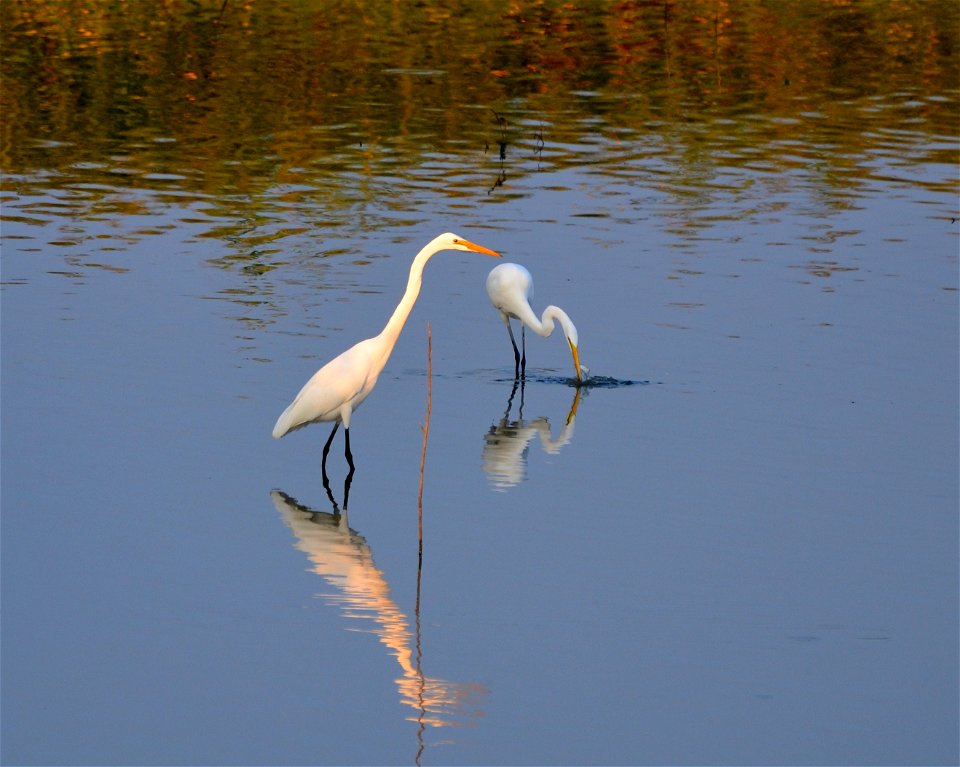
736 545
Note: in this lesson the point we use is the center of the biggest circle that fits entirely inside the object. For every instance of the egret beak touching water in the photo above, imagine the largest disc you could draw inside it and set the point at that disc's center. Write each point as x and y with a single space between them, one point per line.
338 388
510 287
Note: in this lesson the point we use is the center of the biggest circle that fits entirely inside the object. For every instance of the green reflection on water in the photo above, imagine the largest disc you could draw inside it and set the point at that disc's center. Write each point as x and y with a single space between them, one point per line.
265 119
228 81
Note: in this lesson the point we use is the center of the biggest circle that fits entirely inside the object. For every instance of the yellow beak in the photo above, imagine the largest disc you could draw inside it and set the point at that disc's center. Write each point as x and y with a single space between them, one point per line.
479 248
576 360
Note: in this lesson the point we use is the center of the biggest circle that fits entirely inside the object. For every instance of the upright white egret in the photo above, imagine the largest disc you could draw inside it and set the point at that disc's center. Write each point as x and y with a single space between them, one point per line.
338 388
510 287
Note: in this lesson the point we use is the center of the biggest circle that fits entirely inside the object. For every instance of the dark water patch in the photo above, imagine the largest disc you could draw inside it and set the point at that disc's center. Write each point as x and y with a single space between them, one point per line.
504 375
591 382
607 382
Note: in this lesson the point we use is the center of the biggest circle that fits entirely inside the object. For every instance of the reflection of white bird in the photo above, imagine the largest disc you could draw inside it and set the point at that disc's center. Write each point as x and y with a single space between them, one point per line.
505 448
338 388
510 287
343 559
506 444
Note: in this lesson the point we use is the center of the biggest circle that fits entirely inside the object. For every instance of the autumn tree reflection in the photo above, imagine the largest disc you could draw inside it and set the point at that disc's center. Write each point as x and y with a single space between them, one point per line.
226 80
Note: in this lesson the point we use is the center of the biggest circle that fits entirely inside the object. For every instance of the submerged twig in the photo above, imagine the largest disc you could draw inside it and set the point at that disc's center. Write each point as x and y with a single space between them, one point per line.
421 692
538 148
502 142
425 428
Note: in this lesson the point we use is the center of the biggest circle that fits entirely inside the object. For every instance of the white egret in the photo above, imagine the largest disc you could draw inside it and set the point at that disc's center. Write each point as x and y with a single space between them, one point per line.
510 287
338 388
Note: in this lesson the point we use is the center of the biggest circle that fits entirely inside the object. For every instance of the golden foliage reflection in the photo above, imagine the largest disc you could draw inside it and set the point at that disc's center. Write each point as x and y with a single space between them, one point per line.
226 78
285 130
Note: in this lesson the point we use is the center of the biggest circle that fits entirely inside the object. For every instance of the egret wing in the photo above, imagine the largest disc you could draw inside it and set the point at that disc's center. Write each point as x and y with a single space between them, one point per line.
336 384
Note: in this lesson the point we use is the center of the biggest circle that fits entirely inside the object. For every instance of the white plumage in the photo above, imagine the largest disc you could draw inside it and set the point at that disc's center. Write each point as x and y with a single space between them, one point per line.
338 388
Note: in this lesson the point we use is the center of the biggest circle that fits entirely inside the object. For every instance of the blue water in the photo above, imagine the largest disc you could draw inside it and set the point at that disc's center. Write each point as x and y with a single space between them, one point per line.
748 555
735 544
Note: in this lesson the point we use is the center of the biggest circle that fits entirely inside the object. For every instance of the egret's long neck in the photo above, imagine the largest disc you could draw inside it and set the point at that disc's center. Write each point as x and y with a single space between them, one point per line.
395 324
544 327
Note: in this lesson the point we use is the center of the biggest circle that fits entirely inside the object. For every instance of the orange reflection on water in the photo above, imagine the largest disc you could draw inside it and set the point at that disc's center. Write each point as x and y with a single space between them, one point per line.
343 559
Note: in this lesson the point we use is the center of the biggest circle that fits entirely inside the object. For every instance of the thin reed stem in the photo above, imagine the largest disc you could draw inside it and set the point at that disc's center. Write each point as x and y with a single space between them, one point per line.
426 431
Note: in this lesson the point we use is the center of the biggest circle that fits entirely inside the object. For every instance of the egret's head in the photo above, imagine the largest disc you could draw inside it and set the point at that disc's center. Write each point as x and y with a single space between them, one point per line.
452 241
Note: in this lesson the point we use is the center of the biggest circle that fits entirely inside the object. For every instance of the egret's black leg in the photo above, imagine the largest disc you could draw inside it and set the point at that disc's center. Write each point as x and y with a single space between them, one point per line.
523 343
346 488
516 351
326 449
346 451
333 501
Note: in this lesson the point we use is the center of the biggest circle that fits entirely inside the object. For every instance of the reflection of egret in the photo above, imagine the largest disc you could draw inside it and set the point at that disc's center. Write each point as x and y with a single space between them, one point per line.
338 388
506 445
348 480
343 559
510 287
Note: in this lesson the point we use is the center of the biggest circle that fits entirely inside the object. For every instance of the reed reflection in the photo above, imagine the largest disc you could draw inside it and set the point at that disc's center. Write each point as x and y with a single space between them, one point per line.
506 444
342 557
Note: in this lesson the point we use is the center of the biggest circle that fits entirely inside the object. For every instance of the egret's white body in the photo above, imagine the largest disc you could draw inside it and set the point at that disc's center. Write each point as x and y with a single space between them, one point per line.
338 388
510 288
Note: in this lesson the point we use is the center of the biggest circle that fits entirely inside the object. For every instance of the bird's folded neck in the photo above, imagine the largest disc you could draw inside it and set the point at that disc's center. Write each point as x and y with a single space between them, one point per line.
555 312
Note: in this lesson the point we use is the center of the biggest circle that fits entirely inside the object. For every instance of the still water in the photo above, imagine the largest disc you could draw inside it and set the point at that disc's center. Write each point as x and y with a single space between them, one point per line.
736 545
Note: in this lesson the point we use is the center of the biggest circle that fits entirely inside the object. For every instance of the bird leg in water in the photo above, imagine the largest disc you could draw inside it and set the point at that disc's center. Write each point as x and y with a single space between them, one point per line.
516 351
346 450
346 488
346 493
333 501
513 393
326 449
523 345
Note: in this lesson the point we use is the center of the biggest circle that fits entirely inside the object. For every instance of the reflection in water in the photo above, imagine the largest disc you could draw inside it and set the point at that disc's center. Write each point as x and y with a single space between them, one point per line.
695 118
505 446
347 481
682 108
502 143
343 559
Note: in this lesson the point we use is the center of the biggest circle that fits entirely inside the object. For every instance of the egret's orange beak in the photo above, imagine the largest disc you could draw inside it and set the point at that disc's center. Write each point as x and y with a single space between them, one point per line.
479 248
576 361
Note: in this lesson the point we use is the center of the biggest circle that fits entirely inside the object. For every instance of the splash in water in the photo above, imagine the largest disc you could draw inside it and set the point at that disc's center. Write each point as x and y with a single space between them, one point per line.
589 382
